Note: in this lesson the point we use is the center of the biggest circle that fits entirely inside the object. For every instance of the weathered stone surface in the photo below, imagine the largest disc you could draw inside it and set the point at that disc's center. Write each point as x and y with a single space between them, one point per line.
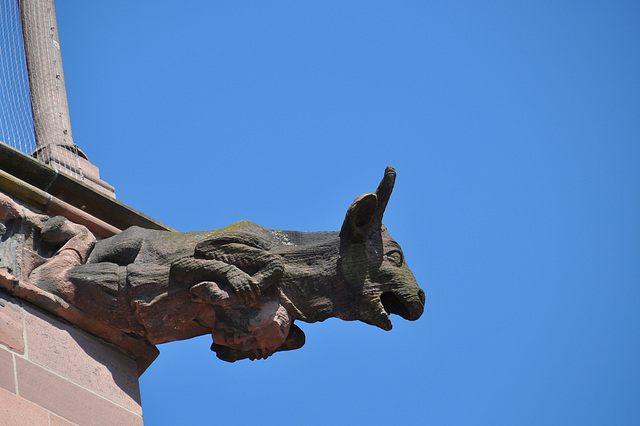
18 411
7 379
58 421
246 285
67 399
86 361
11 329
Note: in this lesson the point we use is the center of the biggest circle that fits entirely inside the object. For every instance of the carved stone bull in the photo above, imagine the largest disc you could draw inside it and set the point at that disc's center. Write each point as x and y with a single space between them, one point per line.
244 284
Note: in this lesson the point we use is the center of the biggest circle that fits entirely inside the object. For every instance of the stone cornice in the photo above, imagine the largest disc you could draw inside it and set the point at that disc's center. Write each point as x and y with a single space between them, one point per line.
20 169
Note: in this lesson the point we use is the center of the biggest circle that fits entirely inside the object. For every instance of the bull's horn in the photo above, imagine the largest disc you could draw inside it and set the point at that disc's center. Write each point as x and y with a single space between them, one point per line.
365 214
384 191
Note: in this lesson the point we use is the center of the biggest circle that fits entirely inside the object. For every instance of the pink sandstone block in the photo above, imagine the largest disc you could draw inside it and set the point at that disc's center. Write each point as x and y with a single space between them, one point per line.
16 411
7 377
11 326
68 400
59 421
83 359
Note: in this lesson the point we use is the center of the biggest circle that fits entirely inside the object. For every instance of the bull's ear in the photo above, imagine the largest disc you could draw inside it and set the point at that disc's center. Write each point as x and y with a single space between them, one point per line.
359 217
365 214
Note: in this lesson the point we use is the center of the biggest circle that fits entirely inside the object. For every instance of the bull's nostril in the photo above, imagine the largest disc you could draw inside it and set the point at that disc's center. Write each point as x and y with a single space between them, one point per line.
421 296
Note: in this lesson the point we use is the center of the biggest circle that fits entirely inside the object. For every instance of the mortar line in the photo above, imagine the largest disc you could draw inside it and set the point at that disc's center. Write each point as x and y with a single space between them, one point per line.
24 331
15 373
82 387
26 358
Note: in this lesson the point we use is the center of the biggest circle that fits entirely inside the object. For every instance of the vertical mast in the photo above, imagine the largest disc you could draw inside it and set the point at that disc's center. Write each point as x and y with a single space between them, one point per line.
52 124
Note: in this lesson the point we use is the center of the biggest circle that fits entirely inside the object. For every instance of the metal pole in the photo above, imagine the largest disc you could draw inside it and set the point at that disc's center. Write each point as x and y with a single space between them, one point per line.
49 102
46 77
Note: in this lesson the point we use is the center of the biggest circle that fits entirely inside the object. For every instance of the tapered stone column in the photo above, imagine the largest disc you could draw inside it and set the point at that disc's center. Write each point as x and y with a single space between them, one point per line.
52 124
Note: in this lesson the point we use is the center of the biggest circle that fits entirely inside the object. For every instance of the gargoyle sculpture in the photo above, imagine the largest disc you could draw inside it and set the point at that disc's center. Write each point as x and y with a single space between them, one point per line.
244 284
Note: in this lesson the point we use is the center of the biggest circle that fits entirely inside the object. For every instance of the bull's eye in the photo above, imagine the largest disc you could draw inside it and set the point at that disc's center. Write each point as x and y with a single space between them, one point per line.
395 257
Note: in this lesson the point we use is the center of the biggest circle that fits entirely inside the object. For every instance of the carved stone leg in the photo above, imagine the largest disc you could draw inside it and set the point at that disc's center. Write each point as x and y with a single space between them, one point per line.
101 291
77 242
163 306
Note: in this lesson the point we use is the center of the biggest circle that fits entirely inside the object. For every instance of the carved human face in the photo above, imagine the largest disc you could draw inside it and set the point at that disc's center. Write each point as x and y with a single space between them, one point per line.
254 332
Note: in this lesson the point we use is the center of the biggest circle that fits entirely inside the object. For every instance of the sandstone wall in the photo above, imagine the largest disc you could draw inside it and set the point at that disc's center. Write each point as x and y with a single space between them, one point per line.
52 373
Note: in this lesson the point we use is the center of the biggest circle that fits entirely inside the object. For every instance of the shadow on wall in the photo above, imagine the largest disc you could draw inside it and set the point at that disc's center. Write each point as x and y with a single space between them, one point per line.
83 359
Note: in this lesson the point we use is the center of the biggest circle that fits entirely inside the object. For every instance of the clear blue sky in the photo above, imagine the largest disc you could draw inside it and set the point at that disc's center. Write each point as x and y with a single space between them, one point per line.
515 131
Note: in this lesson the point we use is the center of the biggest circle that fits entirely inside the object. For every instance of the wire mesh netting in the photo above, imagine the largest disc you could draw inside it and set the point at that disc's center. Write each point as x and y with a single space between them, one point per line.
16 117
34 116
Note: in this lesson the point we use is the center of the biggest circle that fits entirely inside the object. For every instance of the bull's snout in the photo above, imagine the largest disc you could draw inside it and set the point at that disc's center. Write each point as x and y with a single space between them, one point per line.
409 305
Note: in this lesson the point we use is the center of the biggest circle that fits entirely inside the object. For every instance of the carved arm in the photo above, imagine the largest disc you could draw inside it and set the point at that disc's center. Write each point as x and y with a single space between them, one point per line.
192 271
242 263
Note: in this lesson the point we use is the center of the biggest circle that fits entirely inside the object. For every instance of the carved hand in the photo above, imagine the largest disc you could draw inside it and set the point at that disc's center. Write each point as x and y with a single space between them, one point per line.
192 271
245 265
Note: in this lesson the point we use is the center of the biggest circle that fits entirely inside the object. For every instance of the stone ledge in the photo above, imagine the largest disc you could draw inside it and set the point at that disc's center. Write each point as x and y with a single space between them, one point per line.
72 191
